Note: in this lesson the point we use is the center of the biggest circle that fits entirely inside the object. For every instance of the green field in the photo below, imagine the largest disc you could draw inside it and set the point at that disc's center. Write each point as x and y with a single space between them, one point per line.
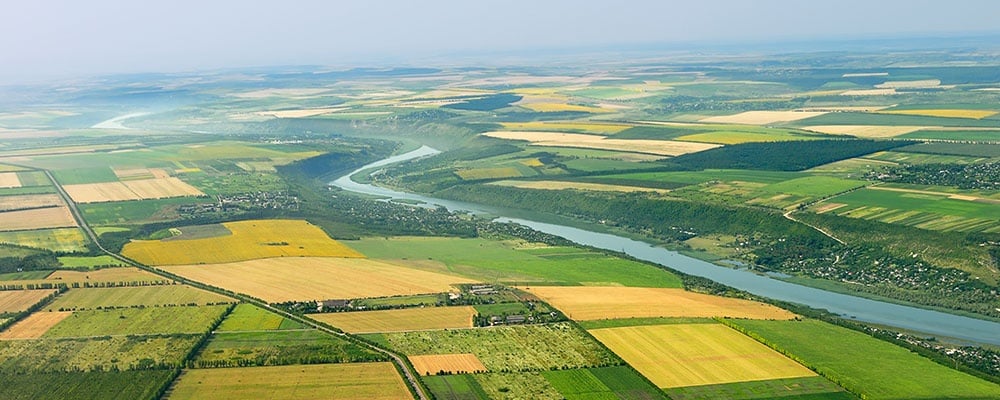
33 178
857 118
509 348
61 239
158 295
26 275
865 365
708 175
813 186
811 388
135 211
248 317
922 158
980 135
502 309
260 348
137 321
139 385
454 387
524 385
601 164
88 354
27 190
923 210
492 260
955 149
89 262
398 301
597 383
85 175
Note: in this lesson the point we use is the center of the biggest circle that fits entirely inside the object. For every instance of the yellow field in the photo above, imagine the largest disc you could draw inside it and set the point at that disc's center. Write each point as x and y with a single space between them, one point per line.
60 239
19 300
762 117
39 218
355 381
679 355
249 240
407 319
100 192
307 278
557 139
554 107
28 201
162 188
139 189
596 302
559 185
488 173
35 325
9 180
301 113
865 131
974 114
454 363
595 127
532 162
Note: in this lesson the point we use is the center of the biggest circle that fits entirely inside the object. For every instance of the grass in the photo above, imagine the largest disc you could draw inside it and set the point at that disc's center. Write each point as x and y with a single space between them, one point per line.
375 381
814 388
89 262
147 296
85 385
504 261
865 365
813 186
137 321
406 319
679 355
594 384
397 301
26 275
509 348
301 346
524 385
61 239
250 240
248 317
454 387
501 309
86 354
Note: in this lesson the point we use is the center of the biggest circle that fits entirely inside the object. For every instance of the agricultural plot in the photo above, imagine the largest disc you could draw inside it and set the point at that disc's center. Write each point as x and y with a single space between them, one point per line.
454 387
119 274
90 261
85 385
446 363
864 365
60 239
922 209
593 303
725 137
515 262
523 385
35 325
815 387
884 119
407 319
261 348
14 301
248 317
762 117
20 202
309 278
681 355
864 131
584 127
556 139
138 189
133 212
601 383
509 348
561 185
944 113
88 354
137 321
9 180
362 381
489 173
146 296
249 240
957 134
38 218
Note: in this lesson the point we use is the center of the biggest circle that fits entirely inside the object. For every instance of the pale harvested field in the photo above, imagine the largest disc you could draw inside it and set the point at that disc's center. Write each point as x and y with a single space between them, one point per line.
354 381
827 207
559 185
865 131
556 139
844 108
406 319
595 302
679 355
19 300
140 173
247 240
554 107
596 127
117 274
29 201
162 188
100 192
312 278
35 325
39 218
920 84
946 113
762 117
9 180
302 113
863 74
869 92
454 363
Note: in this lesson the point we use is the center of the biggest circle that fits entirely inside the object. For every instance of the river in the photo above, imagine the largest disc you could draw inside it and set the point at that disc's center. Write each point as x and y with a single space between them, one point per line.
904 317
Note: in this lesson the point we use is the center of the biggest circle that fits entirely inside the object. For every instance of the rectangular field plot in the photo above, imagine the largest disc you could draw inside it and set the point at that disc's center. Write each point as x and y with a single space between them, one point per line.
307 278
602 383
248 317
85 385
557 139
407 319
12 301
35 325
454 387
140 189
118 274
9 180
699 354
85 354
61 239
137 321
37 218
301 346
512 348
248 240
451 363
90 298
375 381
816 387
863 364
592 303
18 202
922 209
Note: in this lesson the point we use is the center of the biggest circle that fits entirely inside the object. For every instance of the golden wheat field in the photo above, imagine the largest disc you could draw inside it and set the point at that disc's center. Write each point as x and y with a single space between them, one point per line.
9 180
19 300
865 131
611 302
249 240
558 139
318 278
560 185
406 319
35 325
38 218
137 189
453 363
678 355
762 117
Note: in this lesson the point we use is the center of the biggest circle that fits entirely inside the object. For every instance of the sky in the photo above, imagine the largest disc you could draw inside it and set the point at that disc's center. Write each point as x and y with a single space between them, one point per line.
43 39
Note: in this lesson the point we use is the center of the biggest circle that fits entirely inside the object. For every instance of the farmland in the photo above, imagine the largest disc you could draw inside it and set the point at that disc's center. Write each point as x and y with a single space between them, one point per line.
280 347
680 355
408 319
141 189
9 180
35 325
16 202
943 211
763 117
308 278
149 296
658 147
60 239
39 218
94 354
249 240
247 317
13 301
561 185
86 385
592 303
136 321
118 274
377 381
451 363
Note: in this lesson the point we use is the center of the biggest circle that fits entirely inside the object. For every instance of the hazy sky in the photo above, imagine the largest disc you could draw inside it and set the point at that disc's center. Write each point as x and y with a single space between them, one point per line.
46 38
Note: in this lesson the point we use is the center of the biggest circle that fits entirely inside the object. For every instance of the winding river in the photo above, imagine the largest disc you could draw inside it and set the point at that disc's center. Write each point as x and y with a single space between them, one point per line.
895 315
